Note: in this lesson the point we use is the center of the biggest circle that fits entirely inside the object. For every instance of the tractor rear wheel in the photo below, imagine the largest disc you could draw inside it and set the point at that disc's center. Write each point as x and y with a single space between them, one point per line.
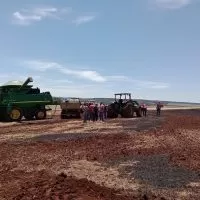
15 114
127 111
40 114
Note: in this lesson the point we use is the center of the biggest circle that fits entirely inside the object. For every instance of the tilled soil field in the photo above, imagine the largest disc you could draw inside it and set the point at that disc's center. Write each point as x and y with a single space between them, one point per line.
140 158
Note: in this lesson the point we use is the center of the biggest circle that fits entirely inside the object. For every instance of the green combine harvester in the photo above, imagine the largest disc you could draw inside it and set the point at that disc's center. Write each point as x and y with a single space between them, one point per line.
18 100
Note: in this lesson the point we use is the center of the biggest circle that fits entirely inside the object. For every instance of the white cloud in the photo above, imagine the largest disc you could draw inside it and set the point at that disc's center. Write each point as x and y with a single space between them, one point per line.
151 84
41 65
29 16
86 74
92 75
171 4
139 83
84 19
117 78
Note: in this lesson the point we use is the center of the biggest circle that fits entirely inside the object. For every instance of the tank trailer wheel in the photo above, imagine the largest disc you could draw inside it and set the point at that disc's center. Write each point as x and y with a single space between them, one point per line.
15 114
63 114
40 114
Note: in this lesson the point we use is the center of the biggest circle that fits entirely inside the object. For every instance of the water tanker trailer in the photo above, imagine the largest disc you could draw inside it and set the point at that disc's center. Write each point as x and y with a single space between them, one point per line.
19 99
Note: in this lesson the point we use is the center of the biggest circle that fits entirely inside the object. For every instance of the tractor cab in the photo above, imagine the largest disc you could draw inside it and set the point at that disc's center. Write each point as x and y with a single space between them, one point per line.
122 98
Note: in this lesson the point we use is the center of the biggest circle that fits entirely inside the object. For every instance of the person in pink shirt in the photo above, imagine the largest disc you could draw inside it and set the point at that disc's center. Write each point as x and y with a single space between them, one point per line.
144 109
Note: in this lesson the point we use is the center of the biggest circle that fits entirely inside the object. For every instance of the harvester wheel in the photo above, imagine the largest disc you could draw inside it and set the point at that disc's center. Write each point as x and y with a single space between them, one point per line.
40 114
127 111
15 114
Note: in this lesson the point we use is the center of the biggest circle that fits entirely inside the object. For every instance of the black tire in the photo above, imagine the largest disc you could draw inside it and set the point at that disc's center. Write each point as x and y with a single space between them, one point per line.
15 114
40 114
138 113
63 114
128 111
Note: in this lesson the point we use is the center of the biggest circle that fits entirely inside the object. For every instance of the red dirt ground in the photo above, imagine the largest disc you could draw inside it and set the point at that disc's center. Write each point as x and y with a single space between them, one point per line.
65 159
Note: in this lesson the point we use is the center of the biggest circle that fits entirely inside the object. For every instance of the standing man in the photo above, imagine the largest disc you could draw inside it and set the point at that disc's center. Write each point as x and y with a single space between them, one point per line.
105 111
96 114
101 112
91 110
144 107
85 112
158 108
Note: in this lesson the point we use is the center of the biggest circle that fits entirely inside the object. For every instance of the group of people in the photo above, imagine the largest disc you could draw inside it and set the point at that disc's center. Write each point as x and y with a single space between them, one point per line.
94 112
158 109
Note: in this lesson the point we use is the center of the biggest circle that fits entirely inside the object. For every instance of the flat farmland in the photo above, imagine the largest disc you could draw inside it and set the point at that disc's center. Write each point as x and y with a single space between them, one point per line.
56 108
139 158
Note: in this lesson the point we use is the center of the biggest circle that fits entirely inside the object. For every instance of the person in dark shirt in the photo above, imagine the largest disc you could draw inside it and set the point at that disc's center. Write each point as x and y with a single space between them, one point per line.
158 108
105 111
91 110
96 113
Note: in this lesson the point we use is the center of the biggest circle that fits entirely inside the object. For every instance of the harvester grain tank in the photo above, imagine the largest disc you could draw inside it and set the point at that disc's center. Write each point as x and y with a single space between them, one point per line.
19 99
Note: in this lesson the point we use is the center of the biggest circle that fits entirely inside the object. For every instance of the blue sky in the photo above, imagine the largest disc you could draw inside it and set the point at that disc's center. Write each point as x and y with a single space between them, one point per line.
89 48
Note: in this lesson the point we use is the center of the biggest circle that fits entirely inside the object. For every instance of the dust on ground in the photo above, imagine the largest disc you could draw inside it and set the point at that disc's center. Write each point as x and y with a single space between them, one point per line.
140 158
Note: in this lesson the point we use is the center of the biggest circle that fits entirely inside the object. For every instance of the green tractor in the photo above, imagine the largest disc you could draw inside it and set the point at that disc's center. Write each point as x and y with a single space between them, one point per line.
126 107
18 100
